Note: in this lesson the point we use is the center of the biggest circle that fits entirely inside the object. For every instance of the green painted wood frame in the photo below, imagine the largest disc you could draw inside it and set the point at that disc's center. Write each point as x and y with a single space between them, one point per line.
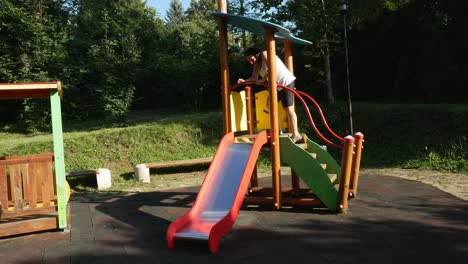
59 160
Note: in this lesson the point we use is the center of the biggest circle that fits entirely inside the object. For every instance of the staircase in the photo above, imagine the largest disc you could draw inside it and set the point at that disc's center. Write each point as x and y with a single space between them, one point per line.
315 166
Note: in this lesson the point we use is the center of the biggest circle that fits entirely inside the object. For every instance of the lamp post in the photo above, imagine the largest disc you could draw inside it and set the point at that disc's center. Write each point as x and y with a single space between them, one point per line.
344 11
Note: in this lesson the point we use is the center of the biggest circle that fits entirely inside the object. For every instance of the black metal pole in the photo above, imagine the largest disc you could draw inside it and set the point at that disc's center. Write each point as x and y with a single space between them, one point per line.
344 11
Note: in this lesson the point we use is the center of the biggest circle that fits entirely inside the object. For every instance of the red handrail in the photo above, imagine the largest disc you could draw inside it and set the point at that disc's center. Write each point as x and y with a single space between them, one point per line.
235 86
319 109
311 120
298 95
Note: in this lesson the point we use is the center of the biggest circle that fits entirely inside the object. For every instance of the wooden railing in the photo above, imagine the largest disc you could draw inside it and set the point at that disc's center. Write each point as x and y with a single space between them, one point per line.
27 185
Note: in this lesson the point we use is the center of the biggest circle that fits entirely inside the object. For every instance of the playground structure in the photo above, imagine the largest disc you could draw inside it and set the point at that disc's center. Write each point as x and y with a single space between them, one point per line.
33 190
224 189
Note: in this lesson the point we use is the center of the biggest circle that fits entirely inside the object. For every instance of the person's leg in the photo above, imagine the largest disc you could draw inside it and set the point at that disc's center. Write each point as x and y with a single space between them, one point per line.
287 99
292 118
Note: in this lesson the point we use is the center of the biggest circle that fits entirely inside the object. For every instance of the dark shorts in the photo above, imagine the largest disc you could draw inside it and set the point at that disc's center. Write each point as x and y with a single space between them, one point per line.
286 97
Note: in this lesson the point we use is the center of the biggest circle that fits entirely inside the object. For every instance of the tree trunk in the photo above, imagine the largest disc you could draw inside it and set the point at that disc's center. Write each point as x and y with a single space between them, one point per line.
325 53
328 81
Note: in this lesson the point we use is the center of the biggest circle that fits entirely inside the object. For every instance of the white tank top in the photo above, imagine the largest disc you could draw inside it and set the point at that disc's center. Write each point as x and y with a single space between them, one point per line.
283 75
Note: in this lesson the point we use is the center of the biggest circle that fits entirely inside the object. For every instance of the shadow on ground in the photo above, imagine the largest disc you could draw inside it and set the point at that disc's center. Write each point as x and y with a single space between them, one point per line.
393 220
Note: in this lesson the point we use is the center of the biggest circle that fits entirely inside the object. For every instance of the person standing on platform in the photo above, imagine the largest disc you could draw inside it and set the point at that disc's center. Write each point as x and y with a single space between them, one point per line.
259 60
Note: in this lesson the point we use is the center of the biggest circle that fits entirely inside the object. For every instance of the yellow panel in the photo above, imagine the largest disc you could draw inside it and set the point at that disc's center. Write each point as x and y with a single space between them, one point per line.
242 140
262 112
238 112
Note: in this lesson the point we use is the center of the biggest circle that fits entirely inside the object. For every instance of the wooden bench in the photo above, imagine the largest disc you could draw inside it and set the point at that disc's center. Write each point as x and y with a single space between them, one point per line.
142 171
28 195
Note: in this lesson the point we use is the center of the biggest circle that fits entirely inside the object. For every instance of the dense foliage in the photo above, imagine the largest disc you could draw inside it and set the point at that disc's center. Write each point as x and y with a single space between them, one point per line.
113 56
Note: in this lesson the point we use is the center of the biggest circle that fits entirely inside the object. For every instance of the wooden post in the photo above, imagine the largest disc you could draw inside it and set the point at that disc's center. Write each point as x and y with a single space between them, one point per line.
249 98
288 60
59 161
359 139
346 163
274 124
251 128
222 6
223 59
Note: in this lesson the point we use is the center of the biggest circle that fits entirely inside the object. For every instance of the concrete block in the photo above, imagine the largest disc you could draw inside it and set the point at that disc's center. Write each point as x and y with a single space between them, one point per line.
104 179
142 173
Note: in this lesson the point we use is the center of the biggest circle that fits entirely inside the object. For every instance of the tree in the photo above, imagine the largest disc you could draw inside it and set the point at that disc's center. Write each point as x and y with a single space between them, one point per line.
416 52
317 20
106 53
175 13
32 34
152 35
188 64
32 37
240 36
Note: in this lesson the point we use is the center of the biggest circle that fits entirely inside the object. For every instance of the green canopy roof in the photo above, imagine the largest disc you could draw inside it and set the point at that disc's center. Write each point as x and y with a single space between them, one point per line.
256 26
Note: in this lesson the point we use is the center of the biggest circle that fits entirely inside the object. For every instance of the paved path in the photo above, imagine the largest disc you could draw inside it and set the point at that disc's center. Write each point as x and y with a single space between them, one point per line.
393 220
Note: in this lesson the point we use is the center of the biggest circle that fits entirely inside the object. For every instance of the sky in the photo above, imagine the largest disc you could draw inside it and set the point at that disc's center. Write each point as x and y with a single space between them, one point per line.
163 5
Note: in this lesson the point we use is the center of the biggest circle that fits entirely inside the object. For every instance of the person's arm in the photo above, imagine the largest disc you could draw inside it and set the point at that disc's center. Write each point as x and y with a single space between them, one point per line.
265 57
256 71
264 60
253 77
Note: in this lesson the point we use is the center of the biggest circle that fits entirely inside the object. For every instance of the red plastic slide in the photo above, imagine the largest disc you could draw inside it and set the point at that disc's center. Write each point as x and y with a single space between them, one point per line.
221 195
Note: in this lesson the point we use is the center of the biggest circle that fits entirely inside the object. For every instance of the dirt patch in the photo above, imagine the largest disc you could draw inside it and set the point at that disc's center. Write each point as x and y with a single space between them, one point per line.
454 183
169 181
